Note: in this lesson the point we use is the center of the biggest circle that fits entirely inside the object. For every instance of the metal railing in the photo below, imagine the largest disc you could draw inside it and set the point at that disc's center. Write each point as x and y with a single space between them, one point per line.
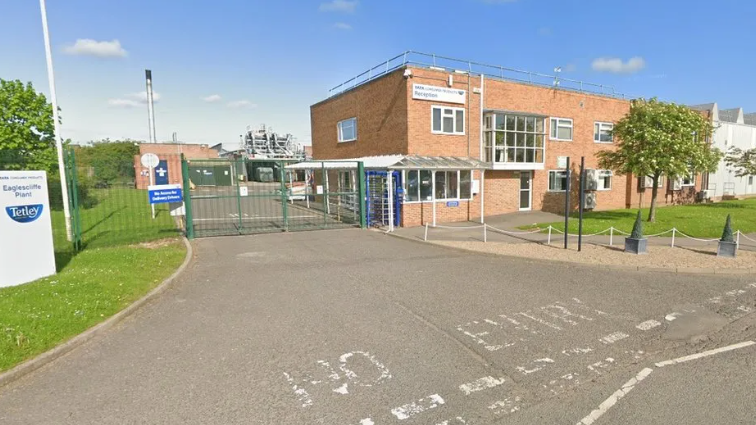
433 61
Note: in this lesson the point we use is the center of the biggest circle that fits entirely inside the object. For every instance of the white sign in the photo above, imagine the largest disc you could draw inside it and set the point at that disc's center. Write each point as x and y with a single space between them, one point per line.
150 160
26 250
177 209
243 191
561 162
438 94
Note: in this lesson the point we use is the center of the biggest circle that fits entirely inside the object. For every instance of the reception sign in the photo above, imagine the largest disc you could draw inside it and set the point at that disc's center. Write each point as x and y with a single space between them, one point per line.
26 242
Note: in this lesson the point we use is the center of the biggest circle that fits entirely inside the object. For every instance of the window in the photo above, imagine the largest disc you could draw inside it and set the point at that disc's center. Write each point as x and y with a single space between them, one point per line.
557 180
514 138
604 180
447 120
449 185
347 130
689 180
561 129
602 132
750 180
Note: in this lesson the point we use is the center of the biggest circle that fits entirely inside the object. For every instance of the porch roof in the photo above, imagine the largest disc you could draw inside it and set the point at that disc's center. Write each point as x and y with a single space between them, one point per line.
396 162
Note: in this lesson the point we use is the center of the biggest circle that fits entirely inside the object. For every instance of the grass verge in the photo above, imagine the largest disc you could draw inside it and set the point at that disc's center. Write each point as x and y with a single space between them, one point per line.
698 220
92 286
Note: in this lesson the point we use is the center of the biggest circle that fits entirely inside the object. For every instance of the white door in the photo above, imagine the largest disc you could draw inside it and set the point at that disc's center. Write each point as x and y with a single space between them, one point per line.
526 192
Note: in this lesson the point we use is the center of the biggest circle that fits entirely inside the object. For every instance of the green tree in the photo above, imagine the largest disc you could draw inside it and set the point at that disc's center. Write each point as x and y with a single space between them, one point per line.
637 228
26 128
727 232
108 161
743 161
657 138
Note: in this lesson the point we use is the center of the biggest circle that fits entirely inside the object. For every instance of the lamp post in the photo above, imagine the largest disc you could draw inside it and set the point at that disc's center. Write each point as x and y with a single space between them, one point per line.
56 119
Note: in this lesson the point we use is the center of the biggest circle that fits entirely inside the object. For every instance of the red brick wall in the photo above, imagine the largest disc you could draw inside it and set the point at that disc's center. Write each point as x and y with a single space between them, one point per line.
170 153
381 110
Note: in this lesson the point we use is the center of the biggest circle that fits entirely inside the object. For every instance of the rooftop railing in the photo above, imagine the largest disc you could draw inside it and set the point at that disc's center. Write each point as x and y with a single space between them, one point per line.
448 64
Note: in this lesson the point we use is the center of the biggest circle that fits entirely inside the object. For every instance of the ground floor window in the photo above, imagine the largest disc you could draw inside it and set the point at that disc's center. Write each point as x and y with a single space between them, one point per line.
604 180
557 180
689 180
418 185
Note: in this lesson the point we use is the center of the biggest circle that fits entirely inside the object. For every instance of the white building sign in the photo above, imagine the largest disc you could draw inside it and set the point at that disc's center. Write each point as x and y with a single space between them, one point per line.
26 245
438 94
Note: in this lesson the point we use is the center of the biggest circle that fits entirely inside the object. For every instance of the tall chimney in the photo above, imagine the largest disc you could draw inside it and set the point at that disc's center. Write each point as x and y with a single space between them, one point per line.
150 107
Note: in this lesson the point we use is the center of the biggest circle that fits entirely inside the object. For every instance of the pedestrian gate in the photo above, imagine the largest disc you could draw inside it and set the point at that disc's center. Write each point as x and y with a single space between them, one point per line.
246 196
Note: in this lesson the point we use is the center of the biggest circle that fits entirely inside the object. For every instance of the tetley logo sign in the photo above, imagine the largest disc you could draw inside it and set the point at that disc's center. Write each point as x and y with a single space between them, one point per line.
24 213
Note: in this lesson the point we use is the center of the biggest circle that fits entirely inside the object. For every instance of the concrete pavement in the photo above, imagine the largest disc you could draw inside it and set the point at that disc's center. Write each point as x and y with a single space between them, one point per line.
354 327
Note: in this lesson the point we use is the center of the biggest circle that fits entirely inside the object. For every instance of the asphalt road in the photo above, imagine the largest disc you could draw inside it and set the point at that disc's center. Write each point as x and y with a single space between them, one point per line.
355 327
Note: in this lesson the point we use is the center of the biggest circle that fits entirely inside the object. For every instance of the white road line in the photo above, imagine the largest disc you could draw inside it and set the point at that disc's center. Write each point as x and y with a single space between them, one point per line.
541 321
705 354
302 394
417 407
481 384
505 406
614 337
671 316
614 398
577 351
458 419
648 325
526 371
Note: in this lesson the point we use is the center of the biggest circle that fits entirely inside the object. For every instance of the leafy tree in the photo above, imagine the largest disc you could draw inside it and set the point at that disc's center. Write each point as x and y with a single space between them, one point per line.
26 128
107 161
743 161
657 138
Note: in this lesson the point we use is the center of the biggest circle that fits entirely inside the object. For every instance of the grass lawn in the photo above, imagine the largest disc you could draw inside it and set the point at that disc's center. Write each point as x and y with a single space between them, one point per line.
92 286
120 216
698 220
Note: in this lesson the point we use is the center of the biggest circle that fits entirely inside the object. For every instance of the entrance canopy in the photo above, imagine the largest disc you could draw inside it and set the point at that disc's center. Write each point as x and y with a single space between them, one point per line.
397 162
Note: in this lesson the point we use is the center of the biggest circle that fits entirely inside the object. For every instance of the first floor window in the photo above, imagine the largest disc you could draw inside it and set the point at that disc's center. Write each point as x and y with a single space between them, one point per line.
557 180
347 130
561 129
447 120
602 132
604 180
449 185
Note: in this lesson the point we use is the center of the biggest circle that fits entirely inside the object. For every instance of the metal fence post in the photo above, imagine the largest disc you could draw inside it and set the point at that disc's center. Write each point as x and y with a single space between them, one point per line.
737 239
611 235
361 179
674 230
187 198
548 241
425 238
485 233
567 206
73 191
284 197
235 176
326 207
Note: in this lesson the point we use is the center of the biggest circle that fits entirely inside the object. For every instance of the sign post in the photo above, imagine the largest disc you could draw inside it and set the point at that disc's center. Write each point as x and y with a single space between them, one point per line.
150 160
26 252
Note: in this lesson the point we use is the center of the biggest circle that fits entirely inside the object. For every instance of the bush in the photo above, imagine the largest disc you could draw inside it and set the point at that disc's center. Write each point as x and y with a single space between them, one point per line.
86 199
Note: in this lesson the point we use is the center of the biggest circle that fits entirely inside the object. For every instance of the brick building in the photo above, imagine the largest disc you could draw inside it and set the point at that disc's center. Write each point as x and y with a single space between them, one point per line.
170 161
522 125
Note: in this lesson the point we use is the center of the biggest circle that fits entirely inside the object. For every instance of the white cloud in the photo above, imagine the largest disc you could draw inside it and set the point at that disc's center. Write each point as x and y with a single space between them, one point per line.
342 26
241 104
100 49
133 100
213 98
345 6
617 66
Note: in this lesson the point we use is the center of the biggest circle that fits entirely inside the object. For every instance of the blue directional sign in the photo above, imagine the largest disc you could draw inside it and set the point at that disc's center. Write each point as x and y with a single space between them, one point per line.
161 173
165 193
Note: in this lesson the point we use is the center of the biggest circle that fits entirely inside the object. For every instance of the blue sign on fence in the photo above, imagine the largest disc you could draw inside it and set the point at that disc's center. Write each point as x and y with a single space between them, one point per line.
452 204
165 193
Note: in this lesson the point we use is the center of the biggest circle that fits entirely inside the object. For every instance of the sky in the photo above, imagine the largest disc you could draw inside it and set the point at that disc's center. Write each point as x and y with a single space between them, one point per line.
220 66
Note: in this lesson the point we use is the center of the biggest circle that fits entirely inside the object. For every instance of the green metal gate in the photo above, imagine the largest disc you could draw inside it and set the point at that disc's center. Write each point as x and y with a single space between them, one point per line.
246 196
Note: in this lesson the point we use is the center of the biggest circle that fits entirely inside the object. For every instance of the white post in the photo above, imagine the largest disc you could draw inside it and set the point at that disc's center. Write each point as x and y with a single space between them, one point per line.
425 238
611 235
56 120
674 230
485 233
737 239
152 182
548 241
482 196
433 195
308 176
291 187
327 187
390 184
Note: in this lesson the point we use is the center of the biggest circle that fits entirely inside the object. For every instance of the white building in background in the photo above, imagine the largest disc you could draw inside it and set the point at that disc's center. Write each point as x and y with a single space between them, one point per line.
733 128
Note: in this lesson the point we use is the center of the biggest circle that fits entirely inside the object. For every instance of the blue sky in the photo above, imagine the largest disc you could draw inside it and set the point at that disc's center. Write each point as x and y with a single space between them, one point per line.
221 65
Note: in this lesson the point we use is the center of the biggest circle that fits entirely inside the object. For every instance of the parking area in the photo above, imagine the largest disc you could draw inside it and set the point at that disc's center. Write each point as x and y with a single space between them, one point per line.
356 327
